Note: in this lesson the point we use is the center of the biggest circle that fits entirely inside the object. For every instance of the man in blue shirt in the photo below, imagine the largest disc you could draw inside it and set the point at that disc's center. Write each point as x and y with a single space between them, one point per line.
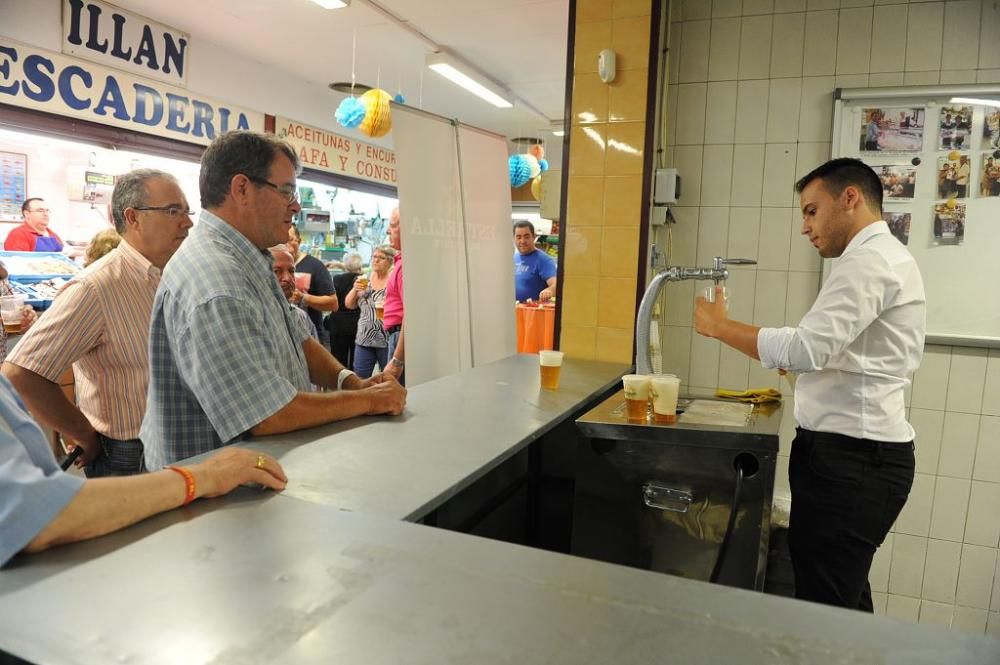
534 270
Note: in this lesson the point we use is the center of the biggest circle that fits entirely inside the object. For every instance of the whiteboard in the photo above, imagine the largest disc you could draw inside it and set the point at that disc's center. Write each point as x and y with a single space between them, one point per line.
938 160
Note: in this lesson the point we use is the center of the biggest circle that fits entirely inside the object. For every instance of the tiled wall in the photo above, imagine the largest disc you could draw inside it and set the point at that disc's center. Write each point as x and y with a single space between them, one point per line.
750 108
607 147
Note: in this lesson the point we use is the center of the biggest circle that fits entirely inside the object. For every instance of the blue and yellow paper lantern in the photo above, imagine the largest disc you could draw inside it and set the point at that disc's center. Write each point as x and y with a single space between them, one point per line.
378 118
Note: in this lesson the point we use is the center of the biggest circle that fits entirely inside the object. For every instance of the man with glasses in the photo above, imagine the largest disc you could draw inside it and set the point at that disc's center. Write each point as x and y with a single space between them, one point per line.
34 234
228 356
99 324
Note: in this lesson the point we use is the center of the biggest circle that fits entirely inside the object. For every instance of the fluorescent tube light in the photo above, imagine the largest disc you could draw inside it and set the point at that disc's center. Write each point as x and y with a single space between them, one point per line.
332 4
974 100
461 74
558 132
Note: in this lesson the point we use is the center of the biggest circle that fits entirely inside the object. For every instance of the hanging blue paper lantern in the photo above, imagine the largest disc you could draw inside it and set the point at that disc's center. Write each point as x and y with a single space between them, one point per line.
520 170
350 113
543 164
399 99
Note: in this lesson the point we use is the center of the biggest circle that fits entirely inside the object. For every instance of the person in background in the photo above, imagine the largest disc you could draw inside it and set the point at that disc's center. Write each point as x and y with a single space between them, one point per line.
34 235
102 243
29 313
44 507
227 356
371 341
284 272
343 324
392 319
99 325
534 270
852 462
320 296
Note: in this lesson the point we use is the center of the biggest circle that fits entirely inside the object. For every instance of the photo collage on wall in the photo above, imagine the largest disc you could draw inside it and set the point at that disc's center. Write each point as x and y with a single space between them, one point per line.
966 166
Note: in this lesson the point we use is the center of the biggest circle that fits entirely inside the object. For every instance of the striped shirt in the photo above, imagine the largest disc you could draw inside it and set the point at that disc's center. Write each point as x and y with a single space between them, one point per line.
370 330
99 324
225 346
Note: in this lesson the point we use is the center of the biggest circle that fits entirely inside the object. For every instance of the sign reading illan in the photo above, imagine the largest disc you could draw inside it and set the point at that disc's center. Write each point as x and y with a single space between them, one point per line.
110 36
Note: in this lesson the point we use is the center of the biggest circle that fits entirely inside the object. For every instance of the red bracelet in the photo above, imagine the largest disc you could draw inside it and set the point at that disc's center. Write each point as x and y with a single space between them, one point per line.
188 482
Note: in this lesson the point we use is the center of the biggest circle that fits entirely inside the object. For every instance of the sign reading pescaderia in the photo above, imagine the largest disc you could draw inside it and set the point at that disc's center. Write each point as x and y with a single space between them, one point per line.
326 151
107 35
37 79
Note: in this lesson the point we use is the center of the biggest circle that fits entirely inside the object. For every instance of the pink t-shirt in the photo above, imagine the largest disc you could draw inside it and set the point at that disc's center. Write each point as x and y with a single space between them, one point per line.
392 315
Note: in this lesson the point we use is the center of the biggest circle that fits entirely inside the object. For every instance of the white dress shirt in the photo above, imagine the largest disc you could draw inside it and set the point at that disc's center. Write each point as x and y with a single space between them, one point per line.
859 344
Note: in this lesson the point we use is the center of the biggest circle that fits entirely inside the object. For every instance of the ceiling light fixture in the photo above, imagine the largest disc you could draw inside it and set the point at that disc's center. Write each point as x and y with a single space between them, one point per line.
466 76
974 100
332 4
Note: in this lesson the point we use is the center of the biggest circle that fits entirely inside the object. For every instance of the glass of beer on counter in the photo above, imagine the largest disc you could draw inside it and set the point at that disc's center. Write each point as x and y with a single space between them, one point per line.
636 396
549 366
12 312
664 388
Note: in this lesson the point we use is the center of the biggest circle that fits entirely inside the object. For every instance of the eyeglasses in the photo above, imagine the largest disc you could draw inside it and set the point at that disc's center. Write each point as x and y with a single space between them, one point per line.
290 193
173 212
380 256
42 210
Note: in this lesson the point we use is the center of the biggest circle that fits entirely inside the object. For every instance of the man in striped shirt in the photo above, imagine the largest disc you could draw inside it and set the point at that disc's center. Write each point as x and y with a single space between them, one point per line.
99 324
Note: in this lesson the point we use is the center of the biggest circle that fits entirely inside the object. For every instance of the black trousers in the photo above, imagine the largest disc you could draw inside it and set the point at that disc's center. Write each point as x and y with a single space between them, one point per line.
846 494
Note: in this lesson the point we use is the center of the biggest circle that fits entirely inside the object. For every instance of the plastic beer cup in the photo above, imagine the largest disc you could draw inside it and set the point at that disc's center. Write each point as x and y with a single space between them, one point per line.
664 389
636 396
549 366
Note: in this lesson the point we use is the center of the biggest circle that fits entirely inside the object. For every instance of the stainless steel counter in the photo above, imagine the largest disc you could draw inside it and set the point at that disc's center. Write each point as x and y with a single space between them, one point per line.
249 579
455 430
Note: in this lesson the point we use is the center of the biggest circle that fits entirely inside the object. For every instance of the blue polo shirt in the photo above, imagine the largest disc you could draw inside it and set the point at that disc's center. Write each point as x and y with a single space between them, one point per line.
531 274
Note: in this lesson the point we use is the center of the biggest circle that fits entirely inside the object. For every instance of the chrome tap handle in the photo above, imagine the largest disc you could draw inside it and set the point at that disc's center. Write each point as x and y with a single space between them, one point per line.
718 262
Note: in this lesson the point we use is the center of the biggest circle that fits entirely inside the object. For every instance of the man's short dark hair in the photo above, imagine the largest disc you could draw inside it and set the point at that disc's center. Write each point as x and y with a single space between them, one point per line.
838 174
232 153
27 204
523 224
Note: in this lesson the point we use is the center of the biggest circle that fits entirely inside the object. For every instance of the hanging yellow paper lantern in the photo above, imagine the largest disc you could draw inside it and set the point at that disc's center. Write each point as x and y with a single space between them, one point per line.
378 119
951 203
536 188
954 155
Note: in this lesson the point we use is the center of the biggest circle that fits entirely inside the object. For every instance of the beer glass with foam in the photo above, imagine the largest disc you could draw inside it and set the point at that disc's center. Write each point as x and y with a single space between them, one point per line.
549 366
664 389
636 396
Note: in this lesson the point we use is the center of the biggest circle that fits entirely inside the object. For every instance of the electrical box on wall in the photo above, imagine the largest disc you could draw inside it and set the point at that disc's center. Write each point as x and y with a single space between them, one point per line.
666 186
551 193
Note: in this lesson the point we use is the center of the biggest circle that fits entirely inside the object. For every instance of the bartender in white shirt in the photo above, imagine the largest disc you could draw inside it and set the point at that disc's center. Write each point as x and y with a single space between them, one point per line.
851 465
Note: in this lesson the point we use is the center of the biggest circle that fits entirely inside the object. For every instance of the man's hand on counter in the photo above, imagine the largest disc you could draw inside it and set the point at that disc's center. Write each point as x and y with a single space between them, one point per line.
386 393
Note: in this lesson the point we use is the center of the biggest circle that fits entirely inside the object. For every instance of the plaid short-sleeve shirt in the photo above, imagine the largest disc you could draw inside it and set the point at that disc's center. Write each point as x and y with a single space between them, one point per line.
225 347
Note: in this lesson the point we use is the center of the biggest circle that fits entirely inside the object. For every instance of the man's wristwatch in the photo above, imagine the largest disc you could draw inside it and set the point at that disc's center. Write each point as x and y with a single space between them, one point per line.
397 361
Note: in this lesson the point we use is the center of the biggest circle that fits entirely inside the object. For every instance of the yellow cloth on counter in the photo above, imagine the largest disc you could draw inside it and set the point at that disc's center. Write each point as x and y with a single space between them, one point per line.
753 396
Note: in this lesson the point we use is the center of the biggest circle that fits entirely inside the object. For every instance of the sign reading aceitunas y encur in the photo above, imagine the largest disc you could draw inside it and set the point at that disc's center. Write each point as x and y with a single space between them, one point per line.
333 153
34 78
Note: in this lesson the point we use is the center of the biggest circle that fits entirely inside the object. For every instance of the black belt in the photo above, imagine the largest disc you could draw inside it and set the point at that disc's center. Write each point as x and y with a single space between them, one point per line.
393 329
845 441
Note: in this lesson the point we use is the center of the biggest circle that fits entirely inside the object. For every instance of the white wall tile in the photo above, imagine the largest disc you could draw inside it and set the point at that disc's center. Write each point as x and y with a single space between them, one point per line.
941 571
854 40
851 80
704 362
987 465
734 369
958 76
680 302
991 391
672 114
769 300
879 602
921 78
724 54
716 176
774 239
928 425
935 614
742 286
930 383
676 36
788 45
975 576
781 476
982 527
995 596
915 518
924 29
823 4
694 51
878 576
684 238
885 79
744 233
748 178
969 620
676 348
888 37
751 111
802 255
816 110
720 117
856 3
801 293
902 607
988 76
726 8
713 234
811 155
753 7
755 47
951 501
783 116
966 380
766 378
989 37
958 444
961 34
688 161
821 56
695 9
907 570
782 6
691 113
779 174
993 624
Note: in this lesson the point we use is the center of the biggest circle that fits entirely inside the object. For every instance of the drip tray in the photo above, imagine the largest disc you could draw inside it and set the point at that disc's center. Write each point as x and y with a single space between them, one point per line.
713 412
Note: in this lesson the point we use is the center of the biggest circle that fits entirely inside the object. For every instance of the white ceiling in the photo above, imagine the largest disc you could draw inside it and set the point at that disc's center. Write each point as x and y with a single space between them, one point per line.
521 44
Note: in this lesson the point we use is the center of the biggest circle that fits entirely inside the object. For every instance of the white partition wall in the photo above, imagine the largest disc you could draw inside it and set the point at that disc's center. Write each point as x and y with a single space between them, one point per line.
454 202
